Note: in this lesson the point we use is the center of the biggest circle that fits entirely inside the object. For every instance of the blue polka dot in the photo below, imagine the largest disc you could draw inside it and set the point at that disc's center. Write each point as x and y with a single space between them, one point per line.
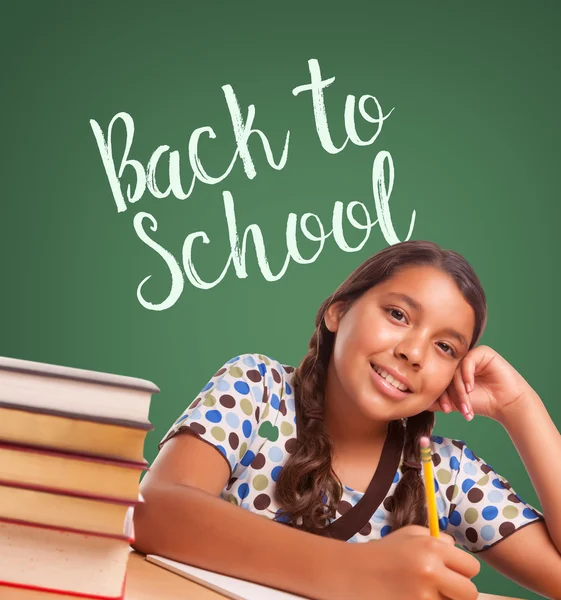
232 461
233 420
487 532
443 523
350 489
275 473
243 490
467 484
529 513
495 496
291 404
196 415
249 360
182 418
379 516
243 474
275 402
246 505
223 385
222 450
247 458
489 513
353 540
287 388
282 518
436 486
214 416
207 386
437 439
385 530
455 518
241 387
262 368
356 498
396 477
497 483
233 360
445 451
440 504
470 468
459 536
269 382
454 464
257 392
247 428
469 453
275 454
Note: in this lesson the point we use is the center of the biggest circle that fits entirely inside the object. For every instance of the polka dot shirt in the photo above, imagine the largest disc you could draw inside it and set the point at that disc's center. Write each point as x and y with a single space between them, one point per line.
247 412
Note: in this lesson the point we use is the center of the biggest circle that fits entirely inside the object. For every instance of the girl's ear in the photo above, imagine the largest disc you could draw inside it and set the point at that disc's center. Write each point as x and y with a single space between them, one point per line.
333 315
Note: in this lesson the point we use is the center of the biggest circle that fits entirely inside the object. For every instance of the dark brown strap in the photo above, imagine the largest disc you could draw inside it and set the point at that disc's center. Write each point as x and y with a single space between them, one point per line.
360 514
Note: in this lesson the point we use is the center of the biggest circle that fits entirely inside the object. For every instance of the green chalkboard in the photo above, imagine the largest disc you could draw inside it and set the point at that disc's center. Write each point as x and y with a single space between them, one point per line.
462 116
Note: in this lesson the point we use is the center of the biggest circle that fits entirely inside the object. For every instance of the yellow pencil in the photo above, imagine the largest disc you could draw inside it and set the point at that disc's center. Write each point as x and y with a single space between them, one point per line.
430 495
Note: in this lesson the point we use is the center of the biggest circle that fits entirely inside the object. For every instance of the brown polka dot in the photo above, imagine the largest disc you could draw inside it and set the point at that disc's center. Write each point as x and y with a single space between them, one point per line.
258 462
451 491
220 372
257 414
254 375
233 440
288 369
195 403
471 535
486 468
506 485
459 444
231 482
262 501
388 503
475 495
452 509
282 408
265 395
513 498
436 460
343 507
291 445
276 375
506 528
198 428
366 530
227 401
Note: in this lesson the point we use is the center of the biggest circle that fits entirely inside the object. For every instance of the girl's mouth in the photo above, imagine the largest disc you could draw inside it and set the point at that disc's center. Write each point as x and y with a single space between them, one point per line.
388 384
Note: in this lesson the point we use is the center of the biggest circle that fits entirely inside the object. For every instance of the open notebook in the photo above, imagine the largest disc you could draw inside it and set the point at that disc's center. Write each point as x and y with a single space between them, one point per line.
237 589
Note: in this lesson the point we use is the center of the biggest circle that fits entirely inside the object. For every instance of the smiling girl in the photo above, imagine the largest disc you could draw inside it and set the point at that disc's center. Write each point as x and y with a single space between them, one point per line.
329 452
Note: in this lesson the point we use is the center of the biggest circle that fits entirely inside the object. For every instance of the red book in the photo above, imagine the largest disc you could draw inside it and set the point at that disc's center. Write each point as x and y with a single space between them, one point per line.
46 563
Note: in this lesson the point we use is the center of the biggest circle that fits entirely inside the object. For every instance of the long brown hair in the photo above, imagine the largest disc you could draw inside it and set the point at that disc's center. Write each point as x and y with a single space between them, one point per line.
307 489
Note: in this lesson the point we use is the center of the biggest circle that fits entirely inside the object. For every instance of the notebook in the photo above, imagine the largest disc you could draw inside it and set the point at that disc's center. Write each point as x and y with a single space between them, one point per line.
237 589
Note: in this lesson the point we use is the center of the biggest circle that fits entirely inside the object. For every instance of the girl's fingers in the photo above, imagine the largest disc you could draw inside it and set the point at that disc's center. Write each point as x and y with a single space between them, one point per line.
445 402
467 366
462 402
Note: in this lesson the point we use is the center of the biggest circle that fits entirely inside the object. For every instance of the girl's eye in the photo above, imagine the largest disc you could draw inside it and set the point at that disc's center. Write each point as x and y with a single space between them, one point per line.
396 314
447 349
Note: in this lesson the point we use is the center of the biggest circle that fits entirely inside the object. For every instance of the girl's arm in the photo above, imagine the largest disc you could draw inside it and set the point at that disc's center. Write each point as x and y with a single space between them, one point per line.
488 385
183 519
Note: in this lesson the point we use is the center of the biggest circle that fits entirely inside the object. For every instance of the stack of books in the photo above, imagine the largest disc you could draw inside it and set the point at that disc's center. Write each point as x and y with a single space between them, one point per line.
71 457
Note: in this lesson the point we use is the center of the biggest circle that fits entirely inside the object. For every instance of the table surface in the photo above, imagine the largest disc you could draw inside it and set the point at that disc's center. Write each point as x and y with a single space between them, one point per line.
146 581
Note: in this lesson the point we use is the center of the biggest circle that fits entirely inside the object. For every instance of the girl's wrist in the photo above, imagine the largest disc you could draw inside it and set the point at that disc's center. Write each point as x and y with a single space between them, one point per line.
516 410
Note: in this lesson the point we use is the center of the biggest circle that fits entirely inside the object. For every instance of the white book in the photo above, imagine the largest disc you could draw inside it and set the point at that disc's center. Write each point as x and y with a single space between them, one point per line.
231 587
44 387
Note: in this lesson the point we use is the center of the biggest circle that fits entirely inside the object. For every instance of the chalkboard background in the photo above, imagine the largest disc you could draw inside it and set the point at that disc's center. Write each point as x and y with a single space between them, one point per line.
473 136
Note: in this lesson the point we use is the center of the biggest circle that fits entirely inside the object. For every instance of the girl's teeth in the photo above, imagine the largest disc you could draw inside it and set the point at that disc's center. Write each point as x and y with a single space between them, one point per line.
390 379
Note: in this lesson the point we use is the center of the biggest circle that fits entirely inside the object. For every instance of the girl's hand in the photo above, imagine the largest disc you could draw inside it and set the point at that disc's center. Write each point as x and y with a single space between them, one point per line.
405 564
484 384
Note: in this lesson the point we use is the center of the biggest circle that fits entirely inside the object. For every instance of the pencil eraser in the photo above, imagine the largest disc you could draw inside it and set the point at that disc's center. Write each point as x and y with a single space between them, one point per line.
425 442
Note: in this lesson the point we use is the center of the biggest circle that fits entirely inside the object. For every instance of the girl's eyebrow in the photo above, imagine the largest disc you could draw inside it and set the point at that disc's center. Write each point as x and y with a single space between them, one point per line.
418 307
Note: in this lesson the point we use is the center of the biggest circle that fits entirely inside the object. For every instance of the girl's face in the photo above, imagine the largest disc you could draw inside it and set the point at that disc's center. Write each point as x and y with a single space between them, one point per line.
410 331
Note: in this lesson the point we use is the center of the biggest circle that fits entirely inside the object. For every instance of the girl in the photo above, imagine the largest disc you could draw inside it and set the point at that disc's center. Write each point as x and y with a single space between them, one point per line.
328 453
